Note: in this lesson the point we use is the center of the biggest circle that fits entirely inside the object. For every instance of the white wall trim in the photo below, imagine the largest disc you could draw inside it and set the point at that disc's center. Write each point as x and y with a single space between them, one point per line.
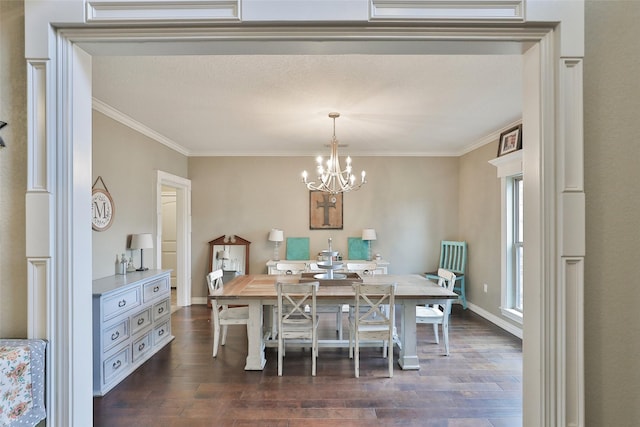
509 327
120 117
114 11
448 10
183 232
68 141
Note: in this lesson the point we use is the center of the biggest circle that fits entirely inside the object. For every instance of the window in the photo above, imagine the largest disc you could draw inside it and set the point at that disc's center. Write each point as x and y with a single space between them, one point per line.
515 282
509 170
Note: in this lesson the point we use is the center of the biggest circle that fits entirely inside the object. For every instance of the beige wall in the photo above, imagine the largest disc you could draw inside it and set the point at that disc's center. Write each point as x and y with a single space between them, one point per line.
13 176
128 163
411 202
479 215
612 174
612 294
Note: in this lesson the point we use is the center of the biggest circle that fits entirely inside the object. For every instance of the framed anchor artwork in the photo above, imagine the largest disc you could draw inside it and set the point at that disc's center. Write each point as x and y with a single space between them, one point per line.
325 211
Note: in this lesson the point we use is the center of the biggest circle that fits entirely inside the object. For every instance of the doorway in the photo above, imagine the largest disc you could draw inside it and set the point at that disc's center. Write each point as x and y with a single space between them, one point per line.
173 233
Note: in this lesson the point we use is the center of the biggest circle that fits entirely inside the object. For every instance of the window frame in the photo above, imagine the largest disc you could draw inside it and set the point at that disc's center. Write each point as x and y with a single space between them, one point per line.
509 167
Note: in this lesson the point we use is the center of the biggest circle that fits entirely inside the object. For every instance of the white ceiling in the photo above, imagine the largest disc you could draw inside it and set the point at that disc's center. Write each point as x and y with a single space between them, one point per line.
277 104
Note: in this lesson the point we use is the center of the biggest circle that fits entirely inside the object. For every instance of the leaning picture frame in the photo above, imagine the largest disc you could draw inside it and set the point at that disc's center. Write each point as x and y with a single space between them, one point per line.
510 140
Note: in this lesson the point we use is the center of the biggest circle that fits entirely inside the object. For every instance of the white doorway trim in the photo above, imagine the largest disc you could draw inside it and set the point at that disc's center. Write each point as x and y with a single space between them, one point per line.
183 232
553 368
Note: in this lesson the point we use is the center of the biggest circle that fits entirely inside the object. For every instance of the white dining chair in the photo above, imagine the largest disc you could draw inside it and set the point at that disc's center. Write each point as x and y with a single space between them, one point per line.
293 268
294 321
223 315
438 314
370 321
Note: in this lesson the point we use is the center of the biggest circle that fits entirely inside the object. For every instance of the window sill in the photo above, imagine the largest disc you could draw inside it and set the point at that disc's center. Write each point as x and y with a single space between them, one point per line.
512 314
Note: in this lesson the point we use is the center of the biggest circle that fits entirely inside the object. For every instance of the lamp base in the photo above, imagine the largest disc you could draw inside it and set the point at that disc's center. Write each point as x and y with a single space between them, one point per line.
142 269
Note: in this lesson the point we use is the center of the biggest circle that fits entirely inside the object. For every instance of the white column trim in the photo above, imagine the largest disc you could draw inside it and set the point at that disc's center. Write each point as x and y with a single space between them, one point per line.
67 143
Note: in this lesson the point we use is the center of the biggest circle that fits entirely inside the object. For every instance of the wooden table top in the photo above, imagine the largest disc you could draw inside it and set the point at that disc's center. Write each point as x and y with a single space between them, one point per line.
262 286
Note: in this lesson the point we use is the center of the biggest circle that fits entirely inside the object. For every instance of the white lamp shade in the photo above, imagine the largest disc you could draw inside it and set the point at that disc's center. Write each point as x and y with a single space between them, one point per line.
223 254
369 234
141 241
276 235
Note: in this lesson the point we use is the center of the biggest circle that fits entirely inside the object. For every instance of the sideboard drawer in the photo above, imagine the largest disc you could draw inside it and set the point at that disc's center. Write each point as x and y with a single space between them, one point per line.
140 321
120 303
141 346
161 332
155 289
161 309
117 363
115 335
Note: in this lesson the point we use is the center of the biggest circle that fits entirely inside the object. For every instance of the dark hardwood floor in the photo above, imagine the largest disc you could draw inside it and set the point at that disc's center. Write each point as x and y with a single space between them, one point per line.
478 385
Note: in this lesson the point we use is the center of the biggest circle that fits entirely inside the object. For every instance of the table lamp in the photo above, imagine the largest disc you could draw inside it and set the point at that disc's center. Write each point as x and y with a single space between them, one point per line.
369 234
223 255
141 241
277 236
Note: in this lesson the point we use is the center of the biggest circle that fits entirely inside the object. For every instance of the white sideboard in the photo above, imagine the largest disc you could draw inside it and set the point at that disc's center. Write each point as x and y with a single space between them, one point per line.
131 322
381 265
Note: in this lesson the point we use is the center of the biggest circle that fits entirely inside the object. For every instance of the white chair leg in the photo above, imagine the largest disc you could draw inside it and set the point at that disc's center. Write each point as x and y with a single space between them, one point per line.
224 334
445 334
390 357
435 333
339 322
280 350
216 338
314 352
357 356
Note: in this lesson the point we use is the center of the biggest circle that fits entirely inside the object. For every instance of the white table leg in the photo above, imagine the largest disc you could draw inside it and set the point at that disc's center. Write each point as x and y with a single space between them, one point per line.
408 359
255 353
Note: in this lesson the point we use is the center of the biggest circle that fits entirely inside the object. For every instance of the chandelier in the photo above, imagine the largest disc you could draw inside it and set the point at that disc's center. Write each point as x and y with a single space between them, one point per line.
331 179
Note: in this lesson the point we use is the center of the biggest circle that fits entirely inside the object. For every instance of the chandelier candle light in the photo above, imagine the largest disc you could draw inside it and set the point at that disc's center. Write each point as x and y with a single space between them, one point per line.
332 179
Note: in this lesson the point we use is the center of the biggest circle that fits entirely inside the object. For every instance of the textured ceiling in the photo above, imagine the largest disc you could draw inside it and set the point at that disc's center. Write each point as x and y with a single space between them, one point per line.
279 104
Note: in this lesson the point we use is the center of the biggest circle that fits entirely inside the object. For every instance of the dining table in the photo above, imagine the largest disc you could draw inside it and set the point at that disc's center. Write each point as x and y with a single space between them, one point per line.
258 291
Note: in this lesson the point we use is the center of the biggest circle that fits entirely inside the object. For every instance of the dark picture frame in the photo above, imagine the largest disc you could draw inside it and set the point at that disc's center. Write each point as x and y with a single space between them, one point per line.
510 140
325 211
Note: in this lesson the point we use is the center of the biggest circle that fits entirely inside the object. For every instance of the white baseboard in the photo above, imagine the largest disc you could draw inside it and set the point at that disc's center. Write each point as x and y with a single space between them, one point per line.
509 327
199 300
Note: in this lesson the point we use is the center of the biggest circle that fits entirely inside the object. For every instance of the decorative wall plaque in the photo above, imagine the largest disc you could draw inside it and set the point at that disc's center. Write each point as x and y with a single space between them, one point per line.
325 211
102 207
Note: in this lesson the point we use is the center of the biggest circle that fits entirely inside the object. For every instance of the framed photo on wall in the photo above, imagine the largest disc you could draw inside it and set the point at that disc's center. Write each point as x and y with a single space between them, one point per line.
510 140
325 211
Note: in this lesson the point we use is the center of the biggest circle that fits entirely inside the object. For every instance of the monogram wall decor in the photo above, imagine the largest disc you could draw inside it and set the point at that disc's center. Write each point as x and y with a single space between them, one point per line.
102 207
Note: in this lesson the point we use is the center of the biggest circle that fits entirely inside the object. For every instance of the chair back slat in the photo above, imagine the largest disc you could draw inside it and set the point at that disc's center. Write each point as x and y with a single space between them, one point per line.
453 256
214 281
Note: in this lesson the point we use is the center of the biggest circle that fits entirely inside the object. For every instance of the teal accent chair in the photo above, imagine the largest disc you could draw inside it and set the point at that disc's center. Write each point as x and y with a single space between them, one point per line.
453 257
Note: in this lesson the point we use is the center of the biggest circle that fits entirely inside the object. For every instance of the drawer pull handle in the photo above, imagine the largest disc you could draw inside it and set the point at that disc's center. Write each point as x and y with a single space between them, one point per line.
140 321
117 364
156 288
160 310
141 347
161 332
122 303
115 335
